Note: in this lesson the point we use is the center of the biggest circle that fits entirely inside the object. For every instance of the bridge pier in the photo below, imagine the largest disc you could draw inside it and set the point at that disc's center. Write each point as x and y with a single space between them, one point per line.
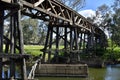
12 55
70 38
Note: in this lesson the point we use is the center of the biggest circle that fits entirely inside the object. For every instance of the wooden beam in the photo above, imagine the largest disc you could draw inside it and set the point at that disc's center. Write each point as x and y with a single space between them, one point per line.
8 1
46 44
50 42
57 44
65 41
1 39
21 44
71 38
10 14
38 3
12 64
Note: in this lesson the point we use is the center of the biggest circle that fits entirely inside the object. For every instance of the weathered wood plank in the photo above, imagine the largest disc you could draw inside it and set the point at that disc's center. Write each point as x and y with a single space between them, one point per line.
1 39
8 1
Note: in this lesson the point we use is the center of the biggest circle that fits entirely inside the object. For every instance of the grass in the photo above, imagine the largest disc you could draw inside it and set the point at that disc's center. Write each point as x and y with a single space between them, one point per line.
33 49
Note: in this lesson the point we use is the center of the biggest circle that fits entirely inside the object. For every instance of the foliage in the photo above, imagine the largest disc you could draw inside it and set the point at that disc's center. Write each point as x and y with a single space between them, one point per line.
102 17
29 30
34 31
112 55
108 19
115 27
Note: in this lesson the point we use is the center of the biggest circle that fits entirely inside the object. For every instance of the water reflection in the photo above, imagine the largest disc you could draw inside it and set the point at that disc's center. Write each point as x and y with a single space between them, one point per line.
113 72
6 73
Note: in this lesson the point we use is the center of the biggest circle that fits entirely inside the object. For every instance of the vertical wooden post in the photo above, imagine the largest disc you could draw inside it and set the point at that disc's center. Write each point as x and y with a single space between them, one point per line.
88 45
84 41
76 44
11 34
46 43
12 65
1 39
50 43
90 41
21 44
78 54
81 41
65 42
15 31
71 39
57 44
76 38
71 43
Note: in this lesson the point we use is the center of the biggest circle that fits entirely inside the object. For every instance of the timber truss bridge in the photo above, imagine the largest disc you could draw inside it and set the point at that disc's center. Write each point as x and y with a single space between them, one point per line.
78 33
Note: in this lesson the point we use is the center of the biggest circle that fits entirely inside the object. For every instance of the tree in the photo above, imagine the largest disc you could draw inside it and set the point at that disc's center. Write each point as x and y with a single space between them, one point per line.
116 5
102 18
114 23
34 31
42 32
30 27
115 27
74 4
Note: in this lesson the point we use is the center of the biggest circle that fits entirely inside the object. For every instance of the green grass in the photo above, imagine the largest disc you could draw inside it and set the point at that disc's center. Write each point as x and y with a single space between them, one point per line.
33 49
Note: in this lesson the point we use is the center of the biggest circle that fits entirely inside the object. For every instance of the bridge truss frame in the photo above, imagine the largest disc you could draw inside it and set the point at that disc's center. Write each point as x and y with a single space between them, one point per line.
79 30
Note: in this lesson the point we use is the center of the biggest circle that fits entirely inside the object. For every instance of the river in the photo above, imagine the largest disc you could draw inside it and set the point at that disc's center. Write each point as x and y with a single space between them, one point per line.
111 72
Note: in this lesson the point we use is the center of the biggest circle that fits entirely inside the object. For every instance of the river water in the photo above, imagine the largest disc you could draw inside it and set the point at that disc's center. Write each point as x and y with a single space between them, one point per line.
111 72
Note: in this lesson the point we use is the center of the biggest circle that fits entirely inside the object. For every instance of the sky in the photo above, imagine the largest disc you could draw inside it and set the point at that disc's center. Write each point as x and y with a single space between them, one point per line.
94 4
91 6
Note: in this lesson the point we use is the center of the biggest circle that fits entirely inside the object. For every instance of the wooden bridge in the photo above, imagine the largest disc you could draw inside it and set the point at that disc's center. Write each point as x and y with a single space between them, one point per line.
79 34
